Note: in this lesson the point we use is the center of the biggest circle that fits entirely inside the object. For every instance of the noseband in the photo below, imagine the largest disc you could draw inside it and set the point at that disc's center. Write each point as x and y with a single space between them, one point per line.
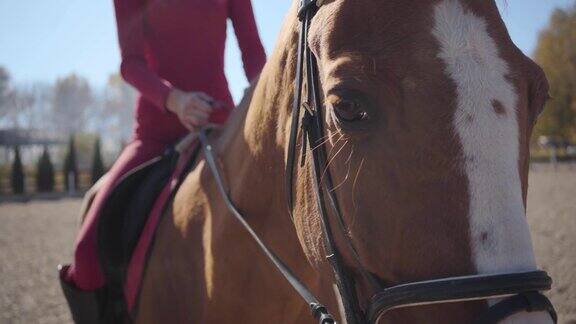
515 292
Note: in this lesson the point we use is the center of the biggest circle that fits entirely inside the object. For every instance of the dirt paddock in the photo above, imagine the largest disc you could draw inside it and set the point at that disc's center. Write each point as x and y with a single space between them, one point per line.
36 236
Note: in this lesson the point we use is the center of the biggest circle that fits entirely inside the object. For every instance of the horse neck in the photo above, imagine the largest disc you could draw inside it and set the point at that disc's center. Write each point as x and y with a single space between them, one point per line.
255 140
255 143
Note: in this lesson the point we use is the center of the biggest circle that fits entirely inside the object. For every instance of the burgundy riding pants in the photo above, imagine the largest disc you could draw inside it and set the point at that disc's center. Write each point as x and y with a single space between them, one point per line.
85 273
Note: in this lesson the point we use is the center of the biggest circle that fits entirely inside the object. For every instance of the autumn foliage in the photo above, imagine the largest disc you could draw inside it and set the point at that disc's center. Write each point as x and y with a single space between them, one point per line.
556 54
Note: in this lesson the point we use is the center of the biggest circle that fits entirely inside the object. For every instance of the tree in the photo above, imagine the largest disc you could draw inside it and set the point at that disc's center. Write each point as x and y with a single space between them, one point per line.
71 167
4 88
98 168
17 178
23 106
45 173
72 97
38 114
119 101
556 53
20 104
6 96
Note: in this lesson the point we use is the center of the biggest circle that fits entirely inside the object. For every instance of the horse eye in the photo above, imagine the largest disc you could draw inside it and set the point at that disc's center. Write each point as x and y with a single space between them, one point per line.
349 111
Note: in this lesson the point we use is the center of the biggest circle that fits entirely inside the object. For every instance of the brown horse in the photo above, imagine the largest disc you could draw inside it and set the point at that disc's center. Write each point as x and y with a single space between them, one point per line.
429 110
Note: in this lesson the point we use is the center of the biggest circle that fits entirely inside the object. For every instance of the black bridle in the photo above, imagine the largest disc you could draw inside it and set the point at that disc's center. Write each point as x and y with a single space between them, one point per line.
517 291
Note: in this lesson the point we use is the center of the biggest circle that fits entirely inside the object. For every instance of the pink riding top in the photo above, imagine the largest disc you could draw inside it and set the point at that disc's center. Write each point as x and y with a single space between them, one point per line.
180 43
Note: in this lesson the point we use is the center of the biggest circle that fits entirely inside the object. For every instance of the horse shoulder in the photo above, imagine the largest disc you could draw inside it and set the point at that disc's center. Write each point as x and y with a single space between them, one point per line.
177 279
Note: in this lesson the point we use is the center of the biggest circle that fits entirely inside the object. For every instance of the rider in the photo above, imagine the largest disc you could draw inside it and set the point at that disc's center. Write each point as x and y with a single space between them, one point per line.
173 54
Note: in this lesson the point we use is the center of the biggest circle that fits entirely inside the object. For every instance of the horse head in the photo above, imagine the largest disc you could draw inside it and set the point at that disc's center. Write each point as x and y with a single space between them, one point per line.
428 110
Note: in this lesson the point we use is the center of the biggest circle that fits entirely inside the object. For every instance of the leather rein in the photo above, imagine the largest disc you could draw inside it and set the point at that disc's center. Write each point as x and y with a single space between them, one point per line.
517 291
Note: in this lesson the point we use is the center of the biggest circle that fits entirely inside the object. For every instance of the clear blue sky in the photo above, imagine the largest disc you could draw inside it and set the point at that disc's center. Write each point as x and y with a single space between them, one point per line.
46 39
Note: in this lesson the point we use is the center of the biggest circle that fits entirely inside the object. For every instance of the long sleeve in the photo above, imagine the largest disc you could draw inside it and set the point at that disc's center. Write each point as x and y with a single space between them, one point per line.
253 55
134 68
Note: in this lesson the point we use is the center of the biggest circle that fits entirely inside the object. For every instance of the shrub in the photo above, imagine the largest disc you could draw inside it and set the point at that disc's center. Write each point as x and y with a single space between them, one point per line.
98 168
17 178
45 173
71 166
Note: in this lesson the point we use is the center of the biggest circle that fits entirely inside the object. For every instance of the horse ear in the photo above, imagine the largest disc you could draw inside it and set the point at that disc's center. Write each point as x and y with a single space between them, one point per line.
538 93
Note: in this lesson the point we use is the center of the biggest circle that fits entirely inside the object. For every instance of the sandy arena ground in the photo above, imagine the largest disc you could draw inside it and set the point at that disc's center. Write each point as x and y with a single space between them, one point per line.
36 236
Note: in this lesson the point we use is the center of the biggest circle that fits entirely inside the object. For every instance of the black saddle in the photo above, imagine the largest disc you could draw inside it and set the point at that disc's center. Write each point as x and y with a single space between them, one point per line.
122 220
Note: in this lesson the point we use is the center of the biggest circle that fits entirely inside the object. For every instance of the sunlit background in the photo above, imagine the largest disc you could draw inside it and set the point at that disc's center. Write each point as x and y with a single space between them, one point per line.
47 47
65 114
42 41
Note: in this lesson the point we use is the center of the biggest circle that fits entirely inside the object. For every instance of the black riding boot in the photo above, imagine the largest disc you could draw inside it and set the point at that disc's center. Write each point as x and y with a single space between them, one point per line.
83 304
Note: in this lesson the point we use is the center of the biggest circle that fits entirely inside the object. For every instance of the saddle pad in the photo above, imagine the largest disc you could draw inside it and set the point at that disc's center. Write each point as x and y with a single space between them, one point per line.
137 264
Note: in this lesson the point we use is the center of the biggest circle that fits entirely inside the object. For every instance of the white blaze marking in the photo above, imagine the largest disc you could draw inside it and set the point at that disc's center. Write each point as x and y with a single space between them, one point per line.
498 228
490 144
490 141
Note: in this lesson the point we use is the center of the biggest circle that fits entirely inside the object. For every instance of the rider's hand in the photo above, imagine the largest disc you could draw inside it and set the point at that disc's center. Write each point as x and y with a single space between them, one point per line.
192 108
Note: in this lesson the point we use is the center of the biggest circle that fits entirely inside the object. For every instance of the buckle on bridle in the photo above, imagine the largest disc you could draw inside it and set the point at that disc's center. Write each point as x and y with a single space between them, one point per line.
321 313
306 5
